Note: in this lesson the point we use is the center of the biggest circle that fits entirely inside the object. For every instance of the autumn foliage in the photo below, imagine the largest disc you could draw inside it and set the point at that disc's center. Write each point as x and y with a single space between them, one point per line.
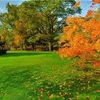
89 13
81 38
95 1
76 4
17 39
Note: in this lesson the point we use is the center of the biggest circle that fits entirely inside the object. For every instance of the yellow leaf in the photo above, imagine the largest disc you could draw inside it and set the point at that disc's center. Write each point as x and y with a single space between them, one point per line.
51 96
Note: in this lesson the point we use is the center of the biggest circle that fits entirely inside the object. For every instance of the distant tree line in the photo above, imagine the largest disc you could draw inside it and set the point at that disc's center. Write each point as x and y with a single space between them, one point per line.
35 24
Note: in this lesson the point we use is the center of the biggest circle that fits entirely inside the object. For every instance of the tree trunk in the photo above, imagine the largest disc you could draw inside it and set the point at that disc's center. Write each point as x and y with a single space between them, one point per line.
33 46
49 45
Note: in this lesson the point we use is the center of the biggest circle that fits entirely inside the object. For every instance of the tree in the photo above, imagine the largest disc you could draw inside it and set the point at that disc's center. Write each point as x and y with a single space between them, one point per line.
47 14
5 30
81 39
7 24
38 17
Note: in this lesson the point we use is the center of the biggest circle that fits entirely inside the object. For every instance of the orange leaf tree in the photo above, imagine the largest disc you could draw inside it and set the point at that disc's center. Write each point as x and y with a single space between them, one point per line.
81 38
95 1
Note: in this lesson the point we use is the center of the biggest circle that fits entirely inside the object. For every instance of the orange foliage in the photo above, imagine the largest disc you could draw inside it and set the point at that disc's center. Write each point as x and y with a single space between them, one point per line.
95 1
81 38
89 13
17 39
95 63
76 4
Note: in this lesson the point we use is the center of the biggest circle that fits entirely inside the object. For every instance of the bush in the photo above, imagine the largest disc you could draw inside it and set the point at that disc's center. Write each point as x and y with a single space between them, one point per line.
3 48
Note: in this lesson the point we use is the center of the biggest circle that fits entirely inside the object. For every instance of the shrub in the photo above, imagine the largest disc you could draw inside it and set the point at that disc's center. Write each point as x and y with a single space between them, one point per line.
3 48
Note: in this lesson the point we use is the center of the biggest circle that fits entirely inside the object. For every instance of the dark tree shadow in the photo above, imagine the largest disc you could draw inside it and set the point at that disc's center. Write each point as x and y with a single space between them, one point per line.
16 54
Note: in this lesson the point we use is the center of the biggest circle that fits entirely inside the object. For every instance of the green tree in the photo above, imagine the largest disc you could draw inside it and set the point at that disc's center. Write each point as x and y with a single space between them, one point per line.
39 21
48 17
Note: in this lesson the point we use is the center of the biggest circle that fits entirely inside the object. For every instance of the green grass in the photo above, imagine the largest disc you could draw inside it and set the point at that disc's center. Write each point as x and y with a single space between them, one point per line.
45 76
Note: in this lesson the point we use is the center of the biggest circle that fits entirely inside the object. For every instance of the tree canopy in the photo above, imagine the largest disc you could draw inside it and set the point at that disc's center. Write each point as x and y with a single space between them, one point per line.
81 38
35 22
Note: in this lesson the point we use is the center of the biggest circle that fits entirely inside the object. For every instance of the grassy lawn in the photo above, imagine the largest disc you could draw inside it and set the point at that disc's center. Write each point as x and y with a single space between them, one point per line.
26 75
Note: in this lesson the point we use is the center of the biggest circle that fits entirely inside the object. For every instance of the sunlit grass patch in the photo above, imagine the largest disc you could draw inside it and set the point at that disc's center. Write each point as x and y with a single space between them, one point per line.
43 76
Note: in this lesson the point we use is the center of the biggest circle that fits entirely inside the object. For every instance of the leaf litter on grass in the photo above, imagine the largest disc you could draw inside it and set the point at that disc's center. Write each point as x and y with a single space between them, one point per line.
44 82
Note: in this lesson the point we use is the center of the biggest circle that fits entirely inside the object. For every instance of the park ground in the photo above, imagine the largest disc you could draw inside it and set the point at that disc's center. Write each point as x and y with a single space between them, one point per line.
28 75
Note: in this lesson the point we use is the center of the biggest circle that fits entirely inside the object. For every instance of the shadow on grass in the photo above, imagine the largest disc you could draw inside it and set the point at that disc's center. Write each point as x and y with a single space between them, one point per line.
39 88
27 53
